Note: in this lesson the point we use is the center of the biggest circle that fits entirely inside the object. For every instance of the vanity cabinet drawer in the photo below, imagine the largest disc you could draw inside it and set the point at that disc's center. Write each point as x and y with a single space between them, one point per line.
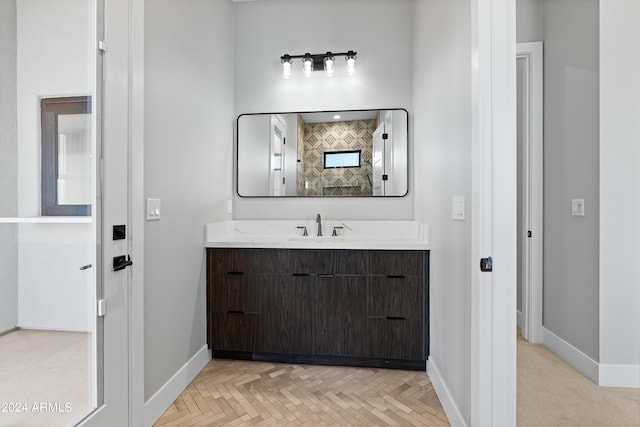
351 262
396 263
395 297
319 261
312 261
263 261
235 292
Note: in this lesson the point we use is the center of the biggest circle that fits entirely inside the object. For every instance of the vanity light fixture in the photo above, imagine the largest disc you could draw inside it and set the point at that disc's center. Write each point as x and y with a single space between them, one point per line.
320 61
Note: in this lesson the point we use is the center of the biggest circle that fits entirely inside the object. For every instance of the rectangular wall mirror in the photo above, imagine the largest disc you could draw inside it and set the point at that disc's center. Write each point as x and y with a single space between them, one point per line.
356 153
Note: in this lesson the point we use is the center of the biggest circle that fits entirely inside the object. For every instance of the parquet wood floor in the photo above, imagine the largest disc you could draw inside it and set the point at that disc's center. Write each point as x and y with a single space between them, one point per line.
243 393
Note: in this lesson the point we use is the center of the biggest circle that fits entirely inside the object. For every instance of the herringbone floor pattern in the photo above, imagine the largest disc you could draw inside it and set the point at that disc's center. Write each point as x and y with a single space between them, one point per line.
239 393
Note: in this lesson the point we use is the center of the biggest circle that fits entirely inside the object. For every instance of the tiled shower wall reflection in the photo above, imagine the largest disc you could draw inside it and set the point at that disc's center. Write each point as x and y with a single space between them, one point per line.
337 136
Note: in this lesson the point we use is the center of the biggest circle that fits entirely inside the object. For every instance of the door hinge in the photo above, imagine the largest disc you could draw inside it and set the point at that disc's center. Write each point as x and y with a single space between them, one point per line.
385 136
283 180
102 307
385 177
102 46
529 233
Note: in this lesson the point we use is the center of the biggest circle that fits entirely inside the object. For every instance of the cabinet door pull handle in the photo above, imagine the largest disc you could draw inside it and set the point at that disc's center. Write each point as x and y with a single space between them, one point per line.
395 318
326 276
301 274
235 312
235 273
395 276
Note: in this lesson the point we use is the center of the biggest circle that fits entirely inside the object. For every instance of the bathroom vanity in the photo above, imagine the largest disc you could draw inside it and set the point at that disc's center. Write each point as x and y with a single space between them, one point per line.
339 300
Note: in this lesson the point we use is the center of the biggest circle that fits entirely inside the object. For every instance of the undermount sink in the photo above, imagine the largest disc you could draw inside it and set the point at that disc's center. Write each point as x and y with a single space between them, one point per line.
406 235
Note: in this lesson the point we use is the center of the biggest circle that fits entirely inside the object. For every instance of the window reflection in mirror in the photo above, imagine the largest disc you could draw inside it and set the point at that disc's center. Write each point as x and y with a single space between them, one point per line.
66 156
331 153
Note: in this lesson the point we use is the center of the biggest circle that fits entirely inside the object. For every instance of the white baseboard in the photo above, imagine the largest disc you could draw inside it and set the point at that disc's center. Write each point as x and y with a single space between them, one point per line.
447 401
619 376
571 355
520 320
163 398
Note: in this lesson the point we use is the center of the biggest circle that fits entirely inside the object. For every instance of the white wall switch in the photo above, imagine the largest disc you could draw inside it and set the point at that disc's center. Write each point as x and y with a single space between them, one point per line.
153 209
577 207
458 210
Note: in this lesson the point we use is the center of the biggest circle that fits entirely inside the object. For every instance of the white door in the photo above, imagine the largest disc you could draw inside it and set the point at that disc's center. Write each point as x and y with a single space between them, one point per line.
378 162
277 183
112 207
494 213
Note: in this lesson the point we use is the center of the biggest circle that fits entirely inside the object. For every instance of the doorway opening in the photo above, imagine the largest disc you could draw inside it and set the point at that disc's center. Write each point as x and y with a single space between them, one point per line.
529 67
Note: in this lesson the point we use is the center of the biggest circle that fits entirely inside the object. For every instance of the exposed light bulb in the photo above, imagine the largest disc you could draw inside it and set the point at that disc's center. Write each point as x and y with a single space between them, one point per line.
286 70
351 66
286 66
351 62
307 62
329 64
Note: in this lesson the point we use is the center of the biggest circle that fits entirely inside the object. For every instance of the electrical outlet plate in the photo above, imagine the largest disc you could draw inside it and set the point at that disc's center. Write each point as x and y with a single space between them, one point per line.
458 209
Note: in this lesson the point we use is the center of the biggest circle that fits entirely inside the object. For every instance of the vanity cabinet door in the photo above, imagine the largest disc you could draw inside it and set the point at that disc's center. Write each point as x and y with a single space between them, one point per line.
395 338
286 322
341 315
234 331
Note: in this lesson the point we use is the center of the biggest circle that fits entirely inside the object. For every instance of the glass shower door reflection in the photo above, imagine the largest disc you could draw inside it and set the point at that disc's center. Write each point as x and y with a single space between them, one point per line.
48 283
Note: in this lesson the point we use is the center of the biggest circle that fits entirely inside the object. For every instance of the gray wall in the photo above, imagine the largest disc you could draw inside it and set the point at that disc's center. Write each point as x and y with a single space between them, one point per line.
571 162
188 152
8 167
377 30
529 20
442 141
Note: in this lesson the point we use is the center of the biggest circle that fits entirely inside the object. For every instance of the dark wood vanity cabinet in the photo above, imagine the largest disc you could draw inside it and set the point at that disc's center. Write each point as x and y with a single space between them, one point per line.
351 307
397 305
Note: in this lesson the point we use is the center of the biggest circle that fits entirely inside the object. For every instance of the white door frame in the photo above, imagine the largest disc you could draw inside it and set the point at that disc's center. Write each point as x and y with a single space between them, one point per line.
532 54
494 213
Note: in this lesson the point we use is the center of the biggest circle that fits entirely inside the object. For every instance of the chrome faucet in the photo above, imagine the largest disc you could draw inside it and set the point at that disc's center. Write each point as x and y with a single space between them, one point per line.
319 222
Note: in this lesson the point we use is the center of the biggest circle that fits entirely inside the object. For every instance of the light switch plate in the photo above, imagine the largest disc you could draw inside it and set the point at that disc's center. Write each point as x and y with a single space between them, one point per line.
458 209
577 207
153 209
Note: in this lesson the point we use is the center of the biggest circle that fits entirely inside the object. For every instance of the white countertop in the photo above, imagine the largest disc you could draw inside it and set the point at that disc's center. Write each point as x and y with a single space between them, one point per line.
390 235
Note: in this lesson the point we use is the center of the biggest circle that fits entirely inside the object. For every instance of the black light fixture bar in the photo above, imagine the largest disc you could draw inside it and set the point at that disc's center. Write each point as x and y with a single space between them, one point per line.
318 59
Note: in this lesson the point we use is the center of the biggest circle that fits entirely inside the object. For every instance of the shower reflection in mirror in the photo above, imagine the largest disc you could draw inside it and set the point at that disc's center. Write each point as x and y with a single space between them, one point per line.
331 153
